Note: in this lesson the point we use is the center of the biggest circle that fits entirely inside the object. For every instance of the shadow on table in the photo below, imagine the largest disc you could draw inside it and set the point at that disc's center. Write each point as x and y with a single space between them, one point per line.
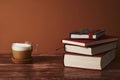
48 59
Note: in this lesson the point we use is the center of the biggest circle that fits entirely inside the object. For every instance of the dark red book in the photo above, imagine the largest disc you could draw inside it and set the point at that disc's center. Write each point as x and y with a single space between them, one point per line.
83 42
97 62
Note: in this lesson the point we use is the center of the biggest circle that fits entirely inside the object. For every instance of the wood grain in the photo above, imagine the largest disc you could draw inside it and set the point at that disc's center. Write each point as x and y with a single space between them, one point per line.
50 67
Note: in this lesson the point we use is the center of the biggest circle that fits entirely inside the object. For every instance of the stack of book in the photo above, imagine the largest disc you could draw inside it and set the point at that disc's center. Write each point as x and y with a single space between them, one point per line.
89 49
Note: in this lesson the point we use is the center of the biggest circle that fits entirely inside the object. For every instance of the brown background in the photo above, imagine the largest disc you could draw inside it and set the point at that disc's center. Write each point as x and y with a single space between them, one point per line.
46 22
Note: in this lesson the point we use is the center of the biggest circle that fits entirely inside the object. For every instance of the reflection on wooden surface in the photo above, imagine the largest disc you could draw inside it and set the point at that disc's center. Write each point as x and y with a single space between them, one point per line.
44 67
50 67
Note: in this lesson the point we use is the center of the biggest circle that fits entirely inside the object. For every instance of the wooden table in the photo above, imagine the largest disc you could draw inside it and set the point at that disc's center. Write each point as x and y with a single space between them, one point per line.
50 67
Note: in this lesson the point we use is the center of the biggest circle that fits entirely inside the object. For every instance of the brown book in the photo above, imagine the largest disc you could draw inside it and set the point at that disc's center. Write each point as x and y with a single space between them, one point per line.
97 62
92 50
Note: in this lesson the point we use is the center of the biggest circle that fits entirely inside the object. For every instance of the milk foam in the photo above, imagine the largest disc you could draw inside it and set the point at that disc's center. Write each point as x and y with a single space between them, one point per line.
21 46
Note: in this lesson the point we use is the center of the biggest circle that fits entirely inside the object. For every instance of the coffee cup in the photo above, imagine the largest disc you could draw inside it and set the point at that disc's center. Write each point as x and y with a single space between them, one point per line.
21 51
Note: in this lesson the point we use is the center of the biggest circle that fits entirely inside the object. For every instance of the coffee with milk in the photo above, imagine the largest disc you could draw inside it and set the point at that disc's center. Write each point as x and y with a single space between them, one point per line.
21 50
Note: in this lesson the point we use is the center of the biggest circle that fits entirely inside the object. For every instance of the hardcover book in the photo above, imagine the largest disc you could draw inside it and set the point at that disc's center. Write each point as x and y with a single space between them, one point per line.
97 62
89 42
92 50
87 34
